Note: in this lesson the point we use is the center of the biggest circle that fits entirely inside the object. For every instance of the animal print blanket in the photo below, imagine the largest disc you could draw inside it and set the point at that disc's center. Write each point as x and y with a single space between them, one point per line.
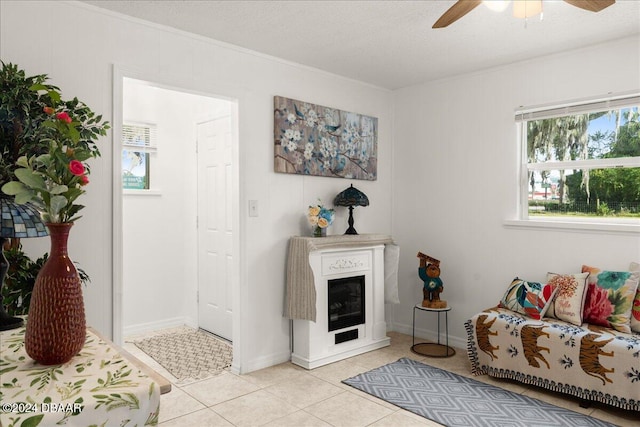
588 362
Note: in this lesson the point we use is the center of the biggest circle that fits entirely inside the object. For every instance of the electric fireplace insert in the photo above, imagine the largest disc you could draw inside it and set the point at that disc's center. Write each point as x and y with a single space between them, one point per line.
346 302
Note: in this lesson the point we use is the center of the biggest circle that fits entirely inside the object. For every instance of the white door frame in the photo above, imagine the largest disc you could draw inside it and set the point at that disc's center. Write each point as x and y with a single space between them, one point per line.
237 96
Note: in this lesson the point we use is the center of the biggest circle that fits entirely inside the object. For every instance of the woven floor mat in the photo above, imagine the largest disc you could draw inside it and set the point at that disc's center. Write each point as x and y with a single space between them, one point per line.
191 355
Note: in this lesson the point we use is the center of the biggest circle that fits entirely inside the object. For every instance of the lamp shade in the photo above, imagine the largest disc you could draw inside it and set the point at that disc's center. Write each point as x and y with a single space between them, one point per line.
17 221
20 220
351 197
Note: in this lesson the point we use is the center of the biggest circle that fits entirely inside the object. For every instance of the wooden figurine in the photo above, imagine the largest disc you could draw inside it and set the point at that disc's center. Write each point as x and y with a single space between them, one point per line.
429 272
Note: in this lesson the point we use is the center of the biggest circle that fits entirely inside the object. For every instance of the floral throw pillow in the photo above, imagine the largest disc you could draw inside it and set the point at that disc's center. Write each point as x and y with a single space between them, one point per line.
635 309
568 303
610 297
529 298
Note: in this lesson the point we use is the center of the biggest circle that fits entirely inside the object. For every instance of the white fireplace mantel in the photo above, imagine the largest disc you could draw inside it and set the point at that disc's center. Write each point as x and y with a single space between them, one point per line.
313 344
300 298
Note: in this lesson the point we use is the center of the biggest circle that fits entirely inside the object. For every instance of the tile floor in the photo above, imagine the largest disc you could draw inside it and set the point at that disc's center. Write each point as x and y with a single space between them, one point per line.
287 395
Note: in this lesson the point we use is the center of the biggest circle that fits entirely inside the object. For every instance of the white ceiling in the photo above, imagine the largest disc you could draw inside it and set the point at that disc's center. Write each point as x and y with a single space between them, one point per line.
388 43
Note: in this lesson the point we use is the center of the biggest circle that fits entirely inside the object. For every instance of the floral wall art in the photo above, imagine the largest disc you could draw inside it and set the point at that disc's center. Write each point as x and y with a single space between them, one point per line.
315 140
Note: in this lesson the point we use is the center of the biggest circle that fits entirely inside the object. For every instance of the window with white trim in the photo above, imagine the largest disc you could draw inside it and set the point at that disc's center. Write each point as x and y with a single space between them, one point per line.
581 160
138 146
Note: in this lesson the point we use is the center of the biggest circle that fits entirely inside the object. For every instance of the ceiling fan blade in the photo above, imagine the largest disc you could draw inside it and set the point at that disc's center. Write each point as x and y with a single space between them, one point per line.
455 12
591 5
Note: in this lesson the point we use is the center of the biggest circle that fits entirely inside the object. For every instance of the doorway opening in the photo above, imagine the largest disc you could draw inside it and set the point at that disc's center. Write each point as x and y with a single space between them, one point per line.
176 169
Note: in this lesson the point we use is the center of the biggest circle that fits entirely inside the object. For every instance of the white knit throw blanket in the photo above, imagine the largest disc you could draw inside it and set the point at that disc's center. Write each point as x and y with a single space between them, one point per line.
300 298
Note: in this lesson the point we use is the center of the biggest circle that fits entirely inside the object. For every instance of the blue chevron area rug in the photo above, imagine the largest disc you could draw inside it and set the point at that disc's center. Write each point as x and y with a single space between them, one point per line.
457 401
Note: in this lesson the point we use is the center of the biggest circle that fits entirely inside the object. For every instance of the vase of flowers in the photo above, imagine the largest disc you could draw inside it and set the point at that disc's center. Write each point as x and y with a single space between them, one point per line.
320 218
56 325
52 181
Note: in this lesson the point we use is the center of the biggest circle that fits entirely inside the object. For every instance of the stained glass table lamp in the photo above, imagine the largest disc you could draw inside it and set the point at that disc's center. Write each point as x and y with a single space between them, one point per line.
351 197
18 221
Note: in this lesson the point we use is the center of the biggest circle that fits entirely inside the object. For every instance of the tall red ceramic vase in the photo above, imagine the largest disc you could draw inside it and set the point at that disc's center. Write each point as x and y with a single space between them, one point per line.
56 325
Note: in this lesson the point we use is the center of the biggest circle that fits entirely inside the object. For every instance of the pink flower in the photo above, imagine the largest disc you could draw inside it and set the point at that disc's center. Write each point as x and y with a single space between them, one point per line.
597 307
64 117
635 311
84 180
76 168
49 110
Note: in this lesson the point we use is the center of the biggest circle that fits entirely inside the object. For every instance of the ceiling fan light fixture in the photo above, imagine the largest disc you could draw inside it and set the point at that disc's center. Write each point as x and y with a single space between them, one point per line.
526 8
496 5
521 8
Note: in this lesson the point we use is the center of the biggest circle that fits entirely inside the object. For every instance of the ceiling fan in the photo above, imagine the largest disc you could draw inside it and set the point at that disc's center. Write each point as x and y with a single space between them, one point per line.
462 7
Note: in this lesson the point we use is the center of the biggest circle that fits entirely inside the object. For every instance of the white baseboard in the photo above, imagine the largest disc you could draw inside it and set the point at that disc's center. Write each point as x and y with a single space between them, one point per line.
262 362
143 328
192 322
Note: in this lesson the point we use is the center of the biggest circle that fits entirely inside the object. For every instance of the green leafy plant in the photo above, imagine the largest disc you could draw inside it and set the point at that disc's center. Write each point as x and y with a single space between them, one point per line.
20 279
54 180
603 209
29 108
21 114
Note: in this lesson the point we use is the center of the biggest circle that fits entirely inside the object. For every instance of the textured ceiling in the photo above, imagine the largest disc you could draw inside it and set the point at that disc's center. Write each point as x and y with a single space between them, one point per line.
388 43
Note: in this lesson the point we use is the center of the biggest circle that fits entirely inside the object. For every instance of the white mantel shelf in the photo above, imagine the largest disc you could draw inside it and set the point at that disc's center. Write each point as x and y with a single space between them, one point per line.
345 240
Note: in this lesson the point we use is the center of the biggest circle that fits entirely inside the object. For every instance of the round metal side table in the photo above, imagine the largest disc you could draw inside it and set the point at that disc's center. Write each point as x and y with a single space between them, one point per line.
432 349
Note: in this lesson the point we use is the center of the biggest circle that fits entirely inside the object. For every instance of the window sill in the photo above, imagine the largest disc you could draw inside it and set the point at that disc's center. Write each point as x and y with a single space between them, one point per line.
141 192
587 226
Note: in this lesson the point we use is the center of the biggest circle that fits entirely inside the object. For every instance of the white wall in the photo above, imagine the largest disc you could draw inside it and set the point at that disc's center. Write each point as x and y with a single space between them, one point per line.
455 170
77 46
159 228
454 154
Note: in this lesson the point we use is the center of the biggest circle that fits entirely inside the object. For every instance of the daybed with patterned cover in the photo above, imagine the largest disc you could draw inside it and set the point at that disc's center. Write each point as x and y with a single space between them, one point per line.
587 345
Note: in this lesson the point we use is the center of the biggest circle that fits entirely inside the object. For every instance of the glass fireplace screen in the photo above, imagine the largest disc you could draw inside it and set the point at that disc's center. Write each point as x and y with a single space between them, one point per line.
346 302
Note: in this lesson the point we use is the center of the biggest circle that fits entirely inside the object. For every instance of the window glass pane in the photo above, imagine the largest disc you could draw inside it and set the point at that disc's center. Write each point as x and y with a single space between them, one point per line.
135 170
596 135
611 192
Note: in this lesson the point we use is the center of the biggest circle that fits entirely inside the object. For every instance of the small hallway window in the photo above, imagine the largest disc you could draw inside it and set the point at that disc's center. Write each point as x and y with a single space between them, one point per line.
138 145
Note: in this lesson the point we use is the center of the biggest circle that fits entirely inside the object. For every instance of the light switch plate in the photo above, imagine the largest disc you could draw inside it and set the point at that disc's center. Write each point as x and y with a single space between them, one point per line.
253 208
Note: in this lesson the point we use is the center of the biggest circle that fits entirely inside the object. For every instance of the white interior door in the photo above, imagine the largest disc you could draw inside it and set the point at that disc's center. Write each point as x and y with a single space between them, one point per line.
215 230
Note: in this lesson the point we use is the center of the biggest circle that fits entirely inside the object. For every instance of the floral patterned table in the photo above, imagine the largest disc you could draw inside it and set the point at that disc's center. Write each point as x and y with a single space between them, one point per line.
98 387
